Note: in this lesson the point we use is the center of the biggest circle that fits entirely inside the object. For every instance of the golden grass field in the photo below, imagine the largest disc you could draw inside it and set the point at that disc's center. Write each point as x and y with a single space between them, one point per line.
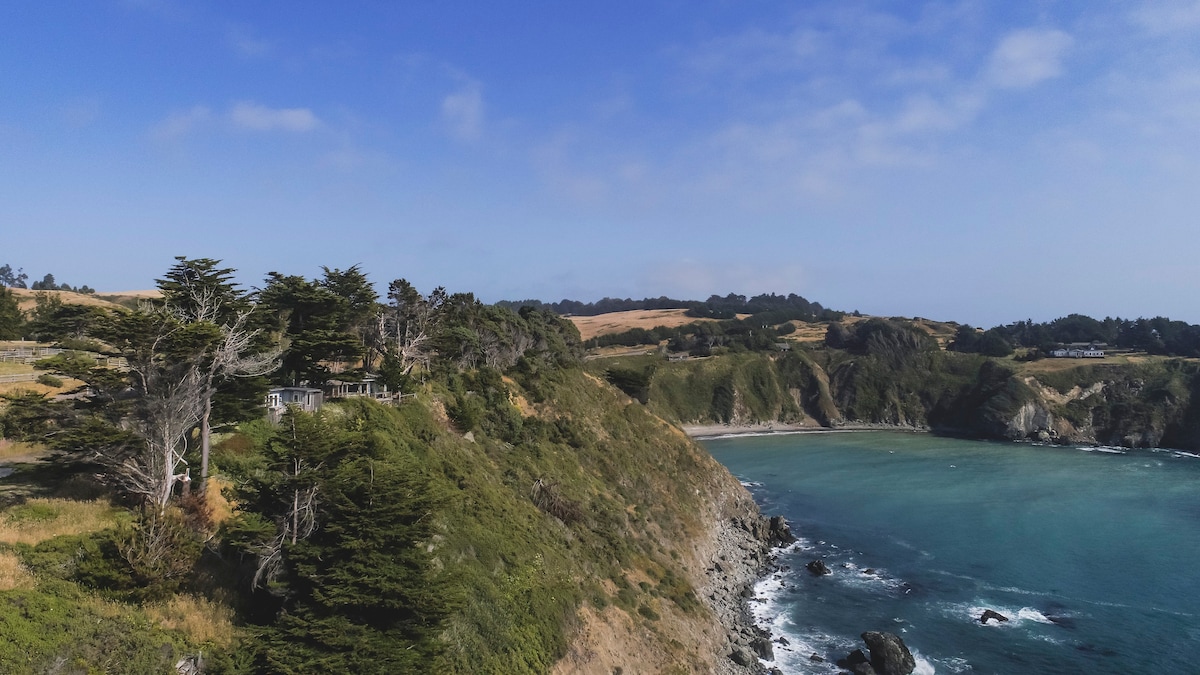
619 322
26 298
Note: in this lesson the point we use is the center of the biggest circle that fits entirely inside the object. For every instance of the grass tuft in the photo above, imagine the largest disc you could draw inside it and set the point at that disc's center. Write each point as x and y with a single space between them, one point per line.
203 621
13 573
40 519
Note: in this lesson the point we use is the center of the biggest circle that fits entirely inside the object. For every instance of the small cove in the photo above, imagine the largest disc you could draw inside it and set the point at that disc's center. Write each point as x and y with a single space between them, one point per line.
1089 553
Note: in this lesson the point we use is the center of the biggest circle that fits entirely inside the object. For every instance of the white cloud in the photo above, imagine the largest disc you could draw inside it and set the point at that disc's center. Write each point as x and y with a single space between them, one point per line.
1026 57
181 123
462 112
255 117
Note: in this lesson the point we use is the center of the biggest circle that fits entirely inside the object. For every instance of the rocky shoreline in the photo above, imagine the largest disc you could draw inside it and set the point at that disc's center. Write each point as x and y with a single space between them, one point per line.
742 557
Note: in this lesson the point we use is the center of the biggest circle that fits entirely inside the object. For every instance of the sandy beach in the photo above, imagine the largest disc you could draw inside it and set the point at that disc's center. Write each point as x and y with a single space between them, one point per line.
763 428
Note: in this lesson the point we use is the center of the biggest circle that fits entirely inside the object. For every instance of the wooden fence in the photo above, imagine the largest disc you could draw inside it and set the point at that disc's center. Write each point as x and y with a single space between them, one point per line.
19 377
30 355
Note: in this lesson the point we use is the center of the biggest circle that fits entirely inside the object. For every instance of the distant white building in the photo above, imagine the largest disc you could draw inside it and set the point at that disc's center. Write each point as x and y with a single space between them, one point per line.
1080 350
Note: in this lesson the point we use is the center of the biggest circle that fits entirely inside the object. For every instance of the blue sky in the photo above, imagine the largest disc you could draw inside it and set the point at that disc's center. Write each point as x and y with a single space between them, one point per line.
975 161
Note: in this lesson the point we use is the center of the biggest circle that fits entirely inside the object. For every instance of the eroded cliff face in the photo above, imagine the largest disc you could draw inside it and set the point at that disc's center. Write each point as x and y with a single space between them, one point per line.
696 542
722 563
1147 403
1127 408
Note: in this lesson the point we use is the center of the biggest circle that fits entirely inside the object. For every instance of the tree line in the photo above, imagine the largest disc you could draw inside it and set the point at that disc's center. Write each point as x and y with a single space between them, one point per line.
17 279
791 306
1158 335
331 509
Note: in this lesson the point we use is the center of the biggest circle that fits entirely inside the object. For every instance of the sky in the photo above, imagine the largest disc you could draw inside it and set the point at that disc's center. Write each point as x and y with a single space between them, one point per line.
983 162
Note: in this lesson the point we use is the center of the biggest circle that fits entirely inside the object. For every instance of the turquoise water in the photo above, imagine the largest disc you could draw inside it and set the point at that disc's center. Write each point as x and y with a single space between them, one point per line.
1094 555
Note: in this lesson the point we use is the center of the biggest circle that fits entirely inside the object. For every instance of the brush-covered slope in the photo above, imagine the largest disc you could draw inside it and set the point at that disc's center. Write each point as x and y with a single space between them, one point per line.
892 373
562 527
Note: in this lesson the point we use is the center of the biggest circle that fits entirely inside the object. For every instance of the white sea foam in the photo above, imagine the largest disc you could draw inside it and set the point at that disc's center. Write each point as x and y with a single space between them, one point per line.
1180 453
878 579
923 667
1031 614
955 664
1110 449
769 613
1017 617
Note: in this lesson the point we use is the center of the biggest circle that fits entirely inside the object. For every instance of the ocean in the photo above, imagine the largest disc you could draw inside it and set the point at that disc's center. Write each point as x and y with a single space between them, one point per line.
1093 554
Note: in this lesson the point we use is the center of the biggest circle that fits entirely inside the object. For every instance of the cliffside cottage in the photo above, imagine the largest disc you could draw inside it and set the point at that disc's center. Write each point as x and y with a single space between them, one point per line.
305 398
368 387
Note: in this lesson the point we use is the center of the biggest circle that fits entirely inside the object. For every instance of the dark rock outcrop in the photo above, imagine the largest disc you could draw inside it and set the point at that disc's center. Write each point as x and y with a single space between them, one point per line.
989 614
889 654
778 532
742 656
857 663
818 568
762 647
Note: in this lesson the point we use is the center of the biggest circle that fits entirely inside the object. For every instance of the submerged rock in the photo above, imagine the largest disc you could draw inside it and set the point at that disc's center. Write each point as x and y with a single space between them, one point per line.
818 568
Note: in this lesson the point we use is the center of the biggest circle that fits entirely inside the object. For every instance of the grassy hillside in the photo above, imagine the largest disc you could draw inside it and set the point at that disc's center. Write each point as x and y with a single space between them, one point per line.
554 505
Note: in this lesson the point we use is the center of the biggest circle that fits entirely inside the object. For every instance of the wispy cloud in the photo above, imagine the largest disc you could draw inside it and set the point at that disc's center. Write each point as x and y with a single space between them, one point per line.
699 278
1026 57
257 117
181 123
462 112
82 112
1168 17
243 41
755 52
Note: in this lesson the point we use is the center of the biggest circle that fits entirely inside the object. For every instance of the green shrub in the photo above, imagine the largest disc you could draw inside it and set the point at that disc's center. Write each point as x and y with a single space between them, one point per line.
49 380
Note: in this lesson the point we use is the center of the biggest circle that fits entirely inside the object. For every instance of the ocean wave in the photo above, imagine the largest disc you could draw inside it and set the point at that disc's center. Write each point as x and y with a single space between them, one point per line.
923 667
870 579
1110 449
953 664
792 655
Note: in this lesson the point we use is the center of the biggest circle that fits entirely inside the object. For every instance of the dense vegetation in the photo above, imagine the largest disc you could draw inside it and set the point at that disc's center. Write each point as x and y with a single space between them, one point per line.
783 308
1159 335
457 530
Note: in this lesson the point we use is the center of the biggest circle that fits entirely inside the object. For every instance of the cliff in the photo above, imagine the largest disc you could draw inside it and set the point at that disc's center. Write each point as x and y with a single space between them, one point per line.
897 378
